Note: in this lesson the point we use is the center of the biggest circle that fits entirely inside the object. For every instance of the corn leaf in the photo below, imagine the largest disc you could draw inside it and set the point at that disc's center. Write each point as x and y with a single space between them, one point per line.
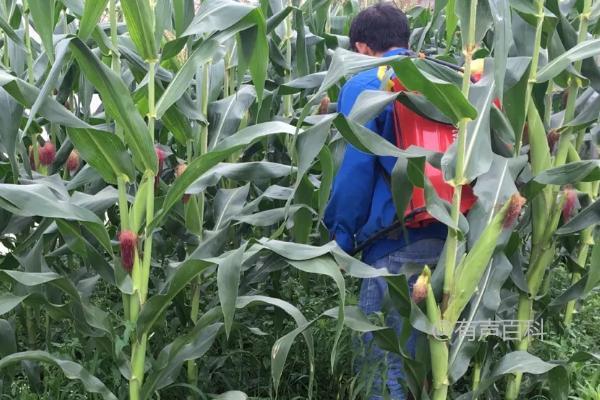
92 12
119 105
42 14
70 369
140 19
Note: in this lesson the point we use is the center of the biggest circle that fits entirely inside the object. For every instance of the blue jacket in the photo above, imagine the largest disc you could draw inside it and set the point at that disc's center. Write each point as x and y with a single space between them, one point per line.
361 201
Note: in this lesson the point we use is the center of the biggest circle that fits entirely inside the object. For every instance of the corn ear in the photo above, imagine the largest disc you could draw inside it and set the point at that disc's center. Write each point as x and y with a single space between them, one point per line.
438 347
472 267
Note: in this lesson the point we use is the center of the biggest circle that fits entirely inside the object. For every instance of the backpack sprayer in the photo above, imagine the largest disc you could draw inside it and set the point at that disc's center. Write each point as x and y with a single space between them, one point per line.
412 129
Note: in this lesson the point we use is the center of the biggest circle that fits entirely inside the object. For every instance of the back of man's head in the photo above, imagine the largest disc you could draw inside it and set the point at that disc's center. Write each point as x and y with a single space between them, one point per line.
381 27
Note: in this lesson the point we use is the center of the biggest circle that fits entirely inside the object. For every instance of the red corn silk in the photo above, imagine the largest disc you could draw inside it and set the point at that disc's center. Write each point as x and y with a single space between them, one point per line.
420 288
570 204
73 162
128 244
553 138
477 70
324 105
514 210
31 158
179 170
47 154
161 156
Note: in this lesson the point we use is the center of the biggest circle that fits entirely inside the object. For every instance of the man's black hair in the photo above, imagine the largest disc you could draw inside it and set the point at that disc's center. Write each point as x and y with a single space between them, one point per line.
381 26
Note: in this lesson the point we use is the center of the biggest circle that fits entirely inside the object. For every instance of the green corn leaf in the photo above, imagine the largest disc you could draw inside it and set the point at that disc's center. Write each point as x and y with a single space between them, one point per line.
42 13
225 115
225 19
10 121
232 395
39 200
119 105
483 18
446 96
228 204
326 163
140 19
253 50
500 10
173 118
70 369
105 152
301 56
217 15
451 20
478 147
205 52
246 172
5 26
157 304
183 13
401 185
50 83
137 211
369 104
571 173
517 361
327 266
540 151
589 216
282 346
27 95
473 265
276 19
92 12
89 319
8 342
228 281
583 50
9 301
187 347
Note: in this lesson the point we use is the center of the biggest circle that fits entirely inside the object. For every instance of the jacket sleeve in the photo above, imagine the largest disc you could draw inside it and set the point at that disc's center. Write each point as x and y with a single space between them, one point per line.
350 200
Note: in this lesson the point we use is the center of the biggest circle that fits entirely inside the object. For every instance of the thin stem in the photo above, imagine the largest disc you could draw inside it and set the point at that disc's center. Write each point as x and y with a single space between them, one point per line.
476 376
548 104
138 352
30 76
566 136
192 368
6 53
438 349
524 314
533 69
287 100
459 180
124 215
540 249
581 260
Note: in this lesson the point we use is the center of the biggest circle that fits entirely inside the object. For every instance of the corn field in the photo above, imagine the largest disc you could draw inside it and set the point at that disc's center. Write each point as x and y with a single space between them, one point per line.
165 166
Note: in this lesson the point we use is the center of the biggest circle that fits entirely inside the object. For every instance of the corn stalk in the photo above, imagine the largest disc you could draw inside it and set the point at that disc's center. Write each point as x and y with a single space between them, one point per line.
437 347
288 110
535 56
142 277
563 150
203 91
469 47
542 246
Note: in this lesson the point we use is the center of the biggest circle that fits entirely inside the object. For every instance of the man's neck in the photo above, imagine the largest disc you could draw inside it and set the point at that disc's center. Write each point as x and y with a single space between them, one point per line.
381 53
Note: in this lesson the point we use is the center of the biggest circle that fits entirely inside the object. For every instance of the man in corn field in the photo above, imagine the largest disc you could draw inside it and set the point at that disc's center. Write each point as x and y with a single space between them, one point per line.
361 201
